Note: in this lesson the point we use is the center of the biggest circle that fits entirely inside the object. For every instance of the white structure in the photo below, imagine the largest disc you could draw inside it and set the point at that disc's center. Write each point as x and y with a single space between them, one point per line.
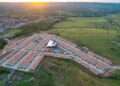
51 43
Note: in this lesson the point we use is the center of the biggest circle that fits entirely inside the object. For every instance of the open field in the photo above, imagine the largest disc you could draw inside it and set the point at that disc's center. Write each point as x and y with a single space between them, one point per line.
83 32
62 72
89 32
51 68
58 72
81 22
27 61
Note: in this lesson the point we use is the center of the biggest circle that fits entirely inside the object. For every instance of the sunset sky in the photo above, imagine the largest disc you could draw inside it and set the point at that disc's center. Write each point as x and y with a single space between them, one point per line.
60 1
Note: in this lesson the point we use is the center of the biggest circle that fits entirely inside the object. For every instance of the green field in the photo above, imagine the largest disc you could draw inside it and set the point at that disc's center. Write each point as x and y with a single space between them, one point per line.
55 72
82 22
92 32
88 32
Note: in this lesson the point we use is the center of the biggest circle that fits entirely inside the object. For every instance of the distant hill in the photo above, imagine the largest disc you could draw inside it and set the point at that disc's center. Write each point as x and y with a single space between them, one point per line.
87 9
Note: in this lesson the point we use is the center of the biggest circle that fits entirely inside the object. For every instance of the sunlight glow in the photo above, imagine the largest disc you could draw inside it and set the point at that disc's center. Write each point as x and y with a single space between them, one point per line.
116 1
37 4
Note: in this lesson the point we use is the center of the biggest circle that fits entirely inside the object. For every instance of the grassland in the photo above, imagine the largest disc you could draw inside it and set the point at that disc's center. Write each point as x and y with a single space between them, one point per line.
92 32
56 72
89 32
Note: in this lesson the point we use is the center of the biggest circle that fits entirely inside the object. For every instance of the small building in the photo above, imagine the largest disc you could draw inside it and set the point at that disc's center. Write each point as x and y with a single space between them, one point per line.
51 44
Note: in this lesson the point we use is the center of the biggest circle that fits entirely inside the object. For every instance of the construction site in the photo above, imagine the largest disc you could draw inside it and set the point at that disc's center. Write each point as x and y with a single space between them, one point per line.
27 53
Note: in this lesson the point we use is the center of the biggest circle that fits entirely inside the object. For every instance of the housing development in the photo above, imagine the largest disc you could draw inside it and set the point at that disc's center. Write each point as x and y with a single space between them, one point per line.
27 53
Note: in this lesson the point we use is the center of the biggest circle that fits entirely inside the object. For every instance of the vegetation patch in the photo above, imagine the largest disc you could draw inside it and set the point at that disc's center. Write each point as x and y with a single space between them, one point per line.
99 40
58 72
2 43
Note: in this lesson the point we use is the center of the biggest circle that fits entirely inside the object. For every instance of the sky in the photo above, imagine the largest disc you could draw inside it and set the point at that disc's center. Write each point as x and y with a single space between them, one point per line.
116 1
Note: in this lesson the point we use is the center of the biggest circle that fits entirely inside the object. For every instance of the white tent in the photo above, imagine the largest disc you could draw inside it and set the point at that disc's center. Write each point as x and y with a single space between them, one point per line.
51 43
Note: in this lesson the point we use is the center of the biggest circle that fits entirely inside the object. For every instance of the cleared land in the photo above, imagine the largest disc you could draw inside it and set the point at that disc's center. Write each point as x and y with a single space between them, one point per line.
26 54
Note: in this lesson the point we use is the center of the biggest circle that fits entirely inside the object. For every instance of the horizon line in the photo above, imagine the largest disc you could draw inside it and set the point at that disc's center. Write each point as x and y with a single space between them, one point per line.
57 2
